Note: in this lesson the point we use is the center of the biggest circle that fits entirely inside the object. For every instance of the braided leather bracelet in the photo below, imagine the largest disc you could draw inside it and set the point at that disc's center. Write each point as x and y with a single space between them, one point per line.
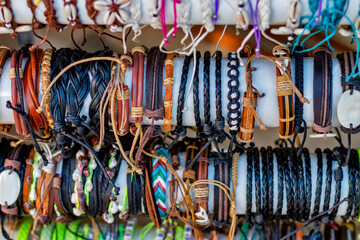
328 182
234 113
306 212
270 191
356 212
288 184
280 170
318 190
259 211
168 82
265 183
249 178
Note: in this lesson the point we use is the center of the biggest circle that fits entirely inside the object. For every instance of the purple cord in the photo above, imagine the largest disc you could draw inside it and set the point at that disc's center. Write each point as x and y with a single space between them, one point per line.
319 13
256 26
214 18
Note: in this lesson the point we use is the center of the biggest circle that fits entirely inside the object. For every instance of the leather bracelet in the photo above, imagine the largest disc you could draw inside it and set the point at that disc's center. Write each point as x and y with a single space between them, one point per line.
137 109
180 130
328 182
198 125
19 122
201 191
45 81
222 171
351 189
249 178
299 83
28 180
294 169
208 127
356 211
285 94
168 82
56 210
308 188
264 182
338 176
219 123
154 108
318 191
122 96
288 184
234 112
301 191
189 175
346 62
322 86
270 191
4 55
259 216
31 91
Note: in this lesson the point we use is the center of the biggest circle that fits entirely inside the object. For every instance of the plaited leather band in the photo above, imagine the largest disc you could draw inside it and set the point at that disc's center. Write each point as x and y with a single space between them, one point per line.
322 85
19 122
285 94
137 109
45 81
56 209
28 180
168 82
4 55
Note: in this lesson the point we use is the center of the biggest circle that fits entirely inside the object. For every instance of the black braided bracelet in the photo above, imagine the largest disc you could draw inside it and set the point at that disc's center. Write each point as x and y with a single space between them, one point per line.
318 190
293 168
301 188
259 210
328 153
249 178
338 154
219 120
100 72
308 184
196 101
180 130
234 112
351 191
299 83
288 184
355 215
208 128
265 184
280 170
270 191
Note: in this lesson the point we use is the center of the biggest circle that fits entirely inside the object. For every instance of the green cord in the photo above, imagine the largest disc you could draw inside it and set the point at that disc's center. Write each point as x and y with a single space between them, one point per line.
24 229
72 228
88 180
245 230
47 232
121 231
179 233
145 230
60 231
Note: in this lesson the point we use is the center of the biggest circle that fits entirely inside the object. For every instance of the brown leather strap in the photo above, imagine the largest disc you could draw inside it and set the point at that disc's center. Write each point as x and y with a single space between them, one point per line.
14 164
54 198
4 55
28 180
322 85
10 211
137 109
19 122
39 188
285 94
31 91
168 82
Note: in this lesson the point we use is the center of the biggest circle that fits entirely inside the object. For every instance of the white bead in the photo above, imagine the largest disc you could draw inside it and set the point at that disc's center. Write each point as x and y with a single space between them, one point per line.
76 212
114 208
113 163
24 28
37 172
121 207
79 154
89 187
93 164
32 195
110 219
73 198
76 174
32 212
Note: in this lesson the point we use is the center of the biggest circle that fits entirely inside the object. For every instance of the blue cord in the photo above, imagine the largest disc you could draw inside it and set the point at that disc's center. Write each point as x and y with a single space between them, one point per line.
316 236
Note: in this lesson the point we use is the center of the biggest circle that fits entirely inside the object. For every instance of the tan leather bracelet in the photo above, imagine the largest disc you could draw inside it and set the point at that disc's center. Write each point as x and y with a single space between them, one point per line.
168 82
45 81
4 55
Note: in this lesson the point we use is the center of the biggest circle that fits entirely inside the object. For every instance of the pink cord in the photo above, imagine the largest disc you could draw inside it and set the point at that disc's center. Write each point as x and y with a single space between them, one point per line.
175 18
163 22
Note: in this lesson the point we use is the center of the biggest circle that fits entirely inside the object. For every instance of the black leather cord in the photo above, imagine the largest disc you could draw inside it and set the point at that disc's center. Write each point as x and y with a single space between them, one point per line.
355 215
196 100
100 72
265 184
270 191
259 210
280 170
351 189
299 83
208 128
294 175
328 153
220 120
180 130
308 184
338 176
288 184
301 188
59 61
249 178
234 112
318 182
